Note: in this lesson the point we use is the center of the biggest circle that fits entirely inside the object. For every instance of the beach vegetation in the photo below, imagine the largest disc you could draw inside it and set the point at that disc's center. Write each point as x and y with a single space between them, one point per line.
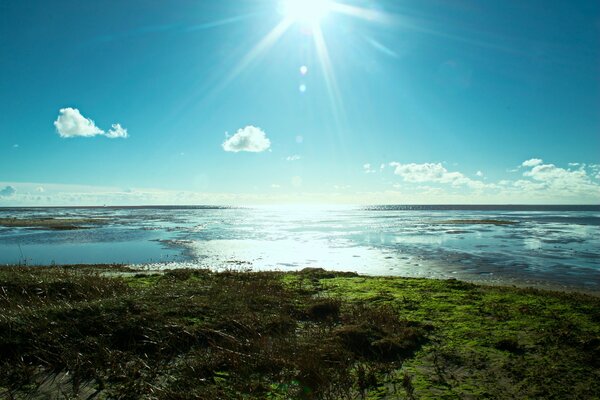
111 332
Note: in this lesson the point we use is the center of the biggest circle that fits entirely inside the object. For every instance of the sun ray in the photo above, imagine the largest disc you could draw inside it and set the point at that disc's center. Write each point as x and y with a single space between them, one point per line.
265 43
261 47
328 74
362 13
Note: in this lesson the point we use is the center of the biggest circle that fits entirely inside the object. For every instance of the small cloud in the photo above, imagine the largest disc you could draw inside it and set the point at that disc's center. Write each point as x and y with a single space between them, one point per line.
250 139
297 181
367 168
40 189
299 139
275 186
532 162
382 167
574 164
8 191
295 157
479 174
117 131
15 146
341 187
70 123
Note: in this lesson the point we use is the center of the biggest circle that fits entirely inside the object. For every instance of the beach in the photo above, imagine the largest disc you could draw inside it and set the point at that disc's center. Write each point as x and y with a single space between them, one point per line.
543 246
379 303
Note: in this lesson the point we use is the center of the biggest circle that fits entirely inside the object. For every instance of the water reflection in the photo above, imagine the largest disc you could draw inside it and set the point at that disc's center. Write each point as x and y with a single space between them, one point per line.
550 245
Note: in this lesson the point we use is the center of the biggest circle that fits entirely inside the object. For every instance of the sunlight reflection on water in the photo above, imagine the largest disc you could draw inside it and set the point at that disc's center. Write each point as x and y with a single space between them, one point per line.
551 246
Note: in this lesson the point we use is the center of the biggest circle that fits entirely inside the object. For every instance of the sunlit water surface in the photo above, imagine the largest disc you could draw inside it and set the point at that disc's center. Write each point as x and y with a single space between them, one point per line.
549 246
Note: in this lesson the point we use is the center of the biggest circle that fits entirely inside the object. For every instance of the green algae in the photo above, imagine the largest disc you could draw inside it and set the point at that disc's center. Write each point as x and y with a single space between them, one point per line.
492 342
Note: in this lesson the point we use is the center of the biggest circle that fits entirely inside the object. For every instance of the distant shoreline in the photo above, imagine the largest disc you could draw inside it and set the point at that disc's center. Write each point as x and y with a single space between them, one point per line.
374 207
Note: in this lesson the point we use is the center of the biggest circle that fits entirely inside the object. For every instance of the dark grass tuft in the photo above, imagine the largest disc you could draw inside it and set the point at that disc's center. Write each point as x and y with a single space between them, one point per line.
190 334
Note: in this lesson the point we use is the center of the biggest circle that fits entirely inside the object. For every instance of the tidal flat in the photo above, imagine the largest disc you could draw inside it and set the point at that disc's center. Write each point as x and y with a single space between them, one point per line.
63 224
114 332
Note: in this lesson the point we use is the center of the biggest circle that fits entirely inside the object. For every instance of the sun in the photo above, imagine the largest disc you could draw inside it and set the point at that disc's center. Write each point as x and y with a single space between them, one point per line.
306 12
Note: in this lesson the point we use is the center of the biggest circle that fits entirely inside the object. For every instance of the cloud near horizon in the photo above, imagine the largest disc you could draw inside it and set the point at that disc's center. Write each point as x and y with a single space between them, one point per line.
70 123
250 139
434 172
532 162
8 191
367 168
541 180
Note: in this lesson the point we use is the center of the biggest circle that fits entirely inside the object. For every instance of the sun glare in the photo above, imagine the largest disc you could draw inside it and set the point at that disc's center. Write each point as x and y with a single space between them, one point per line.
308 12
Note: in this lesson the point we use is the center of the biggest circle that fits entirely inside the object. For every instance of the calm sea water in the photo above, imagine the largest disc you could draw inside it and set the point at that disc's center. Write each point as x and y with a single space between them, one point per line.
546 245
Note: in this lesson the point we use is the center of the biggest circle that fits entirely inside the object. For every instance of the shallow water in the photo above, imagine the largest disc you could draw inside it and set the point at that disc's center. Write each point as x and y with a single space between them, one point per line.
557 246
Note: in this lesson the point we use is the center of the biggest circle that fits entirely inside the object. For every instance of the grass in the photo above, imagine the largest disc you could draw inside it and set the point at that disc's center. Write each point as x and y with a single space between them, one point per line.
185 334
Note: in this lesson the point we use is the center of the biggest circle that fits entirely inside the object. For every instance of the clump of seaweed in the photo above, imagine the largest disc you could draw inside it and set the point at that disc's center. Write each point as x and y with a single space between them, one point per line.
475 222
64 224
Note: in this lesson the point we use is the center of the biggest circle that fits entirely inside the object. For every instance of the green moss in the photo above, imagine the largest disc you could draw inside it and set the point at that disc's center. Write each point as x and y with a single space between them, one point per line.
492 340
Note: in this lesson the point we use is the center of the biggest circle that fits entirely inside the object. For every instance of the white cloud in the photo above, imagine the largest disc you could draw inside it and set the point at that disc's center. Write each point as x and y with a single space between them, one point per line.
434 172
40 189
419 172
295 157
70 123
8 191
117 131
559 179
275 186
341 187
367 168
532 162
479 174
543 182
250 138
15 146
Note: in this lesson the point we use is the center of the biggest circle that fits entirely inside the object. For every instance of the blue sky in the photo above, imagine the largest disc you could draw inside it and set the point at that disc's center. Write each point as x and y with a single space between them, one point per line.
425 101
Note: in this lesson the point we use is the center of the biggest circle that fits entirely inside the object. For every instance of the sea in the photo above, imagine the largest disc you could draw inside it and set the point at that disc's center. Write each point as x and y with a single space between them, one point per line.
540 246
